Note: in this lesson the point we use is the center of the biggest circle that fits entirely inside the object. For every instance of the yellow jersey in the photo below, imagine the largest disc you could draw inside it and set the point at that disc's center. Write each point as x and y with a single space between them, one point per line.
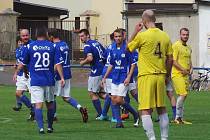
153 46
182 54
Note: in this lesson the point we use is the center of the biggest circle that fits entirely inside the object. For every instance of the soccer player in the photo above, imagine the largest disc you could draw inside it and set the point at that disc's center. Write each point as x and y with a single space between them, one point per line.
93 52
120 60
64 91
41 56
182 67
22 79
155 50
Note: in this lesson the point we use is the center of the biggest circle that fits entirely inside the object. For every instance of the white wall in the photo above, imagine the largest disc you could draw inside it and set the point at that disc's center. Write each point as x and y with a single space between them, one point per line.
204 30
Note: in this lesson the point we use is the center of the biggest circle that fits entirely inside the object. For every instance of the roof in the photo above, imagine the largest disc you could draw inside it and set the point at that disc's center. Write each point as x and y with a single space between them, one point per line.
31 9
90 13
180 8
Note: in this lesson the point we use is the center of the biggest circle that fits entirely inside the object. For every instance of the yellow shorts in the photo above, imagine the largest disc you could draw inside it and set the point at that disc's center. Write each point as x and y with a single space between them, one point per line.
181 84
152 91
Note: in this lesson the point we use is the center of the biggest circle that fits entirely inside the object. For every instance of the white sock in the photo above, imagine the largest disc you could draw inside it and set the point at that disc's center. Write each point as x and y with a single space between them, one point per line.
148 126
79 106
179 107
164 126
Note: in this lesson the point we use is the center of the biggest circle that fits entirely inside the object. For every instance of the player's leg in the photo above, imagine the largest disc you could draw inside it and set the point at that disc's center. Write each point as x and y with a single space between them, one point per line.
37 98
133 91
161 109
181 88
107 101
146 86
171 97
93 88
49 99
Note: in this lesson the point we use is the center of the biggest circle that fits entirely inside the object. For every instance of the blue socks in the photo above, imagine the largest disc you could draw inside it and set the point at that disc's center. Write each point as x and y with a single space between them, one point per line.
174 111
106 105
113 115
18 102
54 107
50 116
26 101
116 110
73 102
39 118
128 107
97 105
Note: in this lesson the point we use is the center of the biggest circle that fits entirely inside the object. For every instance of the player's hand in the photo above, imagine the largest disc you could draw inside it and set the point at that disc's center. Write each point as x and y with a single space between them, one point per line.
103 82
185 72
14 77
62 82
82 62
139 27
127 81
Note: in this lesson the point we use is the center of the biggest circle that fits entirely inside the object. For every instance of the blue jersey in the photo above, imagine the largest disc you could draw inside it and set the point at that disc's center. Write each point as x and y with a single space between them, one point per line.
107 57
19 54
41 55
64 50
95 49
135 72
120 60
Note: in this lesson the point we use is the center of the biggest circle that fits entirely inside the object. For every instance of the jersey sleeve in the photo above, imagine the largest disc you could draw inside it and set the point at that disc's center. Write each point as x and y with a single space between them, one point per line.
24 57
175 51
58 59
112 58
134 44
87 50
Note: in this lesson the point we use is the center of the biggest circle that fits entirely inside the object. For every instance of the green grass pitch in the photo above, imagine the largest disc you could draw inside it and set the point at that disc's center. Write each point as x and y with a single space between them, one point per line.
13 125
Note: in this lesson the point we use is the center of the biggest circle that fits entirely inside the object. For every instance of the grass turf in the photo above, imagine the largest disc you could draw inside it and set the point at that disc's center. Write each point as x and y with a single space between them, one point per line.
13 125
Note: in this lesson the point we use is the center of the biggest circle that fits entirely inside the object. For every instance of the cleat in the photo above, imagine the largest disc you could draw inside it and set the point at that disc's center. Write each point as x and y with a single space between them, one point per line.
97 117
103 118
84 114
119 125
186 122
41 131
157 120
136 124
125 116
31 117
49 130
16 108
113 120
55 119
178 121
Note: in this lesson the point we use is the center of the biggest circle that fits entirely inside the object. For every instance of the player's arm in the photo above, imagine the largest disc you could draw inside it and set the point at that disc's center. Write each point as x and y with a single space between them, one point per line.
17 70
137 29
109 69
59 69
87 60
180 68
129 75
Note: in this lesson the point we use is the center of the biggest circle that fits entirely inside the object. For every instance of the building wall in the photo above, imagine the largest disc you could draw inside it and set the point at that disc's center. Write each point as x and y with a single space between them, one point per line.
204 36
172 25
4 4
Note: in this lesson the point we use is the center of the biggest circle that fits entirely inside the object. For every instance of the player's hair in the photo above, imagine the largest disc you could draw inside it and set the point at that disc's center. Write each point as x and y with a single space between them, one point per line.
85 31
41 32
54 33
149 15
111 36
124 30
119 31
184 29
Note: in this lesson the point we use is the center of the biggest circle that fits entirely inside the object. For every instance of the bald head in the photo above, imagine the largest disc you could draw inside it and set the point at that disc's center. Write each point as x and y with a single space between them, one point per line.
24 35
148 16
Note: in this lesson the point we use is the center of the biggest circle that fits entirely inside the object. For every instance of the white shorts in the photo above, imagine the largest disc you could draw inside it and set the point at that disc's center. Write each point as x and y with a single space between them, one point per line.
63 91
22 83
41 94
94 84
107 86
119 90
131 86
169 86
